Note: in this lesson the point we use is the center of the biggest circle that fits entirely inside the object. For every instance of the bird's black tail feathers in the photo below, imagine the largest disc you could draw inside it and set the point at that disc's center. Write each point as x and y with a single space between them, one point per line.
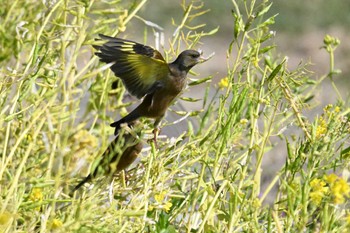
130 118
81 183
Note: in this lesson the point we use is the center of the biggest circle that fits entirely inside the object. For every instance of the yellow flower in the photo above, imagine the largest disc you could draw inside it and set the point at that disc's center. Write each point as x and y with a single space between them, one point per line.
316 197
83 139
318 190
160 197
327 108
331 178
243 121
223 83
340 189
338 198
256 203
5 218
317 184
161 204
29 137
321 129
36 195
167 206
56 224
343 187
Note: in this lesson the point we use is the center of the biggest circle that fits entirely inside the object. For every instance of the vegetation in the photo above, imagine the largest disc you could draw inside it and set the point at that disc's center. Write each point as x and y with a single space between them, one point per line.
56 103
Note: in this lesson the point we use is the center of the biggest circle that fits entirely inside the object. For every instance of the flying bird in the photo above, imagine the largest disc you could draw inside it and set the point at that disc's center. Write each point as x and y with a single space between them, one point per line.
119 155
145 74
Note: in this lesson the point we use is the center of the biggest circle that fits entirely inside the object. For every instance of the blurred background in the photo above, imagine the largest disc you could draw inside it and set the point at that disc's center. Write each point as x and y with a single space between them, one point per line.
300 27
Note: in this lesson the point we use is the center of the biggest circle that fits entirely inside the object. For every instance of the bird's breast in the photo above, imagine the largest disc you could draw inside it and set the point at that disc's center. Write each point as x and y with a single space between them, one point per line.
156 104
159 102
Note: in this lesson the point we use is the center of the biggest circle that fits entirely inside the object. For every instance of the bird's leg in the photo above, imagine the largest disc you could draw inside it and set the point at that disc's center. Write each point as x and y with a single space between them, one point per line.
155 134
156 130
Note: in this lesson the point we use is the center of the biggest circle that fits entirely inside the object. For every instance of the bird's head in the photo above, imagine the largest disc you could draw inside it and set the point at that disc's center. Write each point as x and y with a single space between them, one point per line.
187 59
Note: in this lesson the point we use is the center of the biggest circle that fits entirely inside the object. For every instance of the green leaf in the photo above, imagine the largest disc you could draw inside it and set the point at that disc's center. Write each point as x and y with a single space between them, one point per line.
345 151
188 99
275 71
264 10
266 49
199 81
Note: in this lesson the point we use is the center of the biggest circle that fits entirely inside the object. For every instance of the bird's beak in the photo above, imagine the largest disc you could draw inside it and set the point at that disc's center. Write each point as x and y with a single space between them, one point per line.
202 59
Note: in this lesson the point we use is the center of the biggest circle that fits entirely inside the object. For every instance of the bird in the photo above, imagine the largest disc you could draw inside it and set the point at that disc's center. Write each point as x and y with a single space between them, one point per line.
145 74
119 155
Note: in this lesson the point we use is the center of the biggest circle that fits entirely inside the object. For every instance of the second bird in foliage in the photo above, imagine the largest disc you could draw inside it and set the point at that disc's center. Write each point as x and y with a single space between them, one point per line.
145 73
119 155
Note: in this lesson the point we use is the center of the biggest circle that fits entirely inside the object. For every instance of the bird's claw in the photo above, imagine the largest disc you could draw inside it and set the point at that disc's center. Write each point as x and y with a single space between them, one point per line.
155 134
156 131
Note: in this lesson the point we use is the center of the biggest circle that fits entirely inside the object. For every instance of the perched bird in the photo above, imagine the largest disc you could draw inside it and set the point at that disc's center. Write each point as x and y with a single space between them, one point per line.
145 74
119 155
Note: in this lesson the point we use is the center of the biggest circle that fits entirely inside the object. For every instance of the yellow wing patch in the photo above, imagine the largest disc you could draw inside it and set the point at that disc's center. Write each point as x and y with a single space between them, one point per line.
140 67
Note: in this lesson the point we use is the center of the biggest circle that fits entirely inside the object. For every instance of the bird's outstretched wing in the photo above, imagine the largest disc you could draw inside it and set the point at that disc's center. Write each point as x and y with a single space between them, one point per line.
141 68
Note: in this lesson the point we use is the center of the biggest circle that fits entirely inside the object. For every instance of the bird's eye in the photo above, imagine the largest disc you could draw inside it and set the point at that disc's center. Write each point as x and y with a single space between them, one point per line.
194 55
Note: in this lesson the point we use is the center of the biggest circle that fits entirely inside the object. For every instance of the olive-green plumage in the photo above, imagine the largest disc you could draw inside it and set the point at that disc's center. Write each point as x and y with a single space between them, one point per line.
119 155
146 74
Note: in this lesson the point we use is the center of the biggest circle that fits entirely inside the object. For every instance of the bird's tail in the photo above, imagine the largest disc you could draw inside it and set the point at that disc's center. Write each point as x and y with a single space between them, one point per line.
81 183
134 115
